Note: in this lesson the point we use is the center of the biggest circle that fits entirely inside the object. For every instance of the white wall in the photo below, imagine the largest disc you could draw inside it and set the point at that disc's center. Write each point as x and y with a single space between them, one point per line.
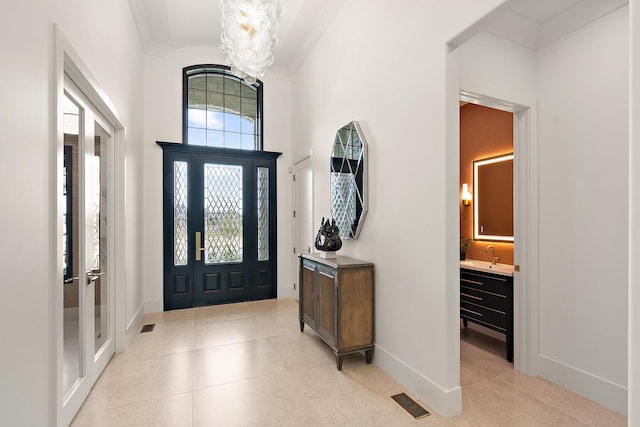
104 35
499 68
384 65
577 88
163 122
583 176
634 220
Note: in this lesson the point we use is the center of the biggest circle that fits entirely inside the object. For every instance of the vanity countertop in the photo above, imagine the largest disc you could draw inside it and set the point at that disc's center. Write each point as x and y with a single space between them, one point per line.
472 264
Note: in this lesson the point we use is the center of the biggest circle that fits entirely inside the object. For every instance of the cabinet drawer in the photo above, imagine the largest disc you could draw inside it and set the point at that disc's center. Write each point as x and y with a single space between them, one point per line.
483 315
483 298
484 282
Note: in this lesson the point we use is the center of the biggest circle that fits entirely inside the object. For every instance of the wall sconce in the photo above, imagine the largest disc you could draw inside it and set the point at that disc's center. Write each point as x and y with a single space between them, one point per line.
466 196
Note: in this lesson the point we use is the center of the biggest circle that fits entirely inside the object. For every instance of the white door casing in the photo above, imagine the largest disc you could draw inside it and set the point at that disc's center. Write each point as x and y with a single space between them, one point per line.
303 213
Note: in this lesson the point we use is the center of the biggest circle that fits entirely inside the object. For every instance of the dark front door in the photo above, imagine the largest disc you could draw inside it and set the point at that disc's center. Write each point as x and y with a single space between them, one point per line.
219 226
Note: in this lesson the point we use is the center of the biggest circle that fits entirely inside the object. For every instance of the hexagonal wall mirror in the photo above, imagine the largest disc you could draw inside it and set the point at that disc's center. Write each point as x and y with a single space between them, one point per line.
348 184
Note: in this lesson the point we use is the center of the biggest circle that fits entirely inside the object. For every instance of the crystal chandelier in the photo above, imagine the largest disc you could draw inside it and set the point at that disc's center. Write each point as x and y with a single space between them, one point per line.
249 32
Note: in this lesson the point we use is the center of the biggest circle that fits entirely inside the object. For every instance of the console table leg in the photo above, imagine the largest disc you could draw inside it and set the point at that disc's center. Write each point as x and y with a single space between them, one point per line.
301 326
368 355
339 362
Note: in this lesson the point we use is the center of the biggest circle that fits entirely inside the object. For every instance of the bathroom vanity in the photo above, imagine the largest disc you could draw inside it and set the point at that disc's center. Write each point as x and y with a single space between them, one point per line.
486 297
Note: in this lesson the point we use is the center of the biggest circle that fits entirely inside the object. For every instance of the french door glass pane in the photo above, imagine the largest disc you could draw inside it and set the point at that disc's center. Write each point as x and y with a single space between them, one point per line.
101 303
263 214
180 203
223 234
93 171
71 285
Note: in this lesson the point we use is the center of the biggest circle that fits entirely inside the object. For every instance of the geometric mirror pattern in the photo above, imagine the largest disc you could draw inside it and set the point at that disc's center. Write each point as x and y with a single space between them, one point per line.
343 201
348 180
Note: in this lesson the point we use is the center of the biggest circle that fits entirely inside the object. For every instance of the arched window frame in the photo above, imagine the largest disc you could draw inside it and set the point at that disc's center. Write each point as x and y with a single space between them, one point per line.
226 73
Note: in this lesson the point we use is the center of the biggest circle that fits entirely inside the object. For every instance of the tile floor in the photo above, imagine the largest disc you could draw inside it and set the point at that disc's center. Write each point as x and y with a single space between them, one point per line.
247 364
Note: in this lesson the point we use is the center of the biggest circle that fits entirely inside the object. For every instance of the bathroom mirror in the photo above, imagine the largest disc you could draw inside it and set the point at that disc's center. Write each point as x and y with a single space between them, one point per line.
493 198
348 177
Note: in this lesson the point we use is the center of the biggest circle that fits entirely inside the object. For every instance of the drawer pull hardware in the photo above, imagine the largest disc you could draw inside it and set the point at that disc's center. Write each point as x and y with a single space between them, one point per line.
484 292
471 296
468 273
471 311
487 308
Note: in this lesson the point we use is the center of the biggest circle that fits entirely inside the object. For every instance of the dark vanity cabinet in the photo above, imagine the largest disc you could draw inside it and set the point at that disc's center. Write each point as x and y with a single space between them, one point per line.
487 299
336 301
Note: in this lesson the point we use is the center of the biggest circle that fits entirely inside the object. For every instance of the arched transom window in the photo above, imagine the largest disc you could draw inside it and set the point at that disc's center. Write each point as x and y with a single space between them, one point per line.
221 110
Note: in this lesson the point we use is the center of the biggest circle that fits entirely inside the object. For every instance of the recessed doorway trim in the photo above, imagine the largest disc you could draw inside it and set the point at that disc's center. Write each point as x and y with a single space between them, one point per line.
525 289
67 61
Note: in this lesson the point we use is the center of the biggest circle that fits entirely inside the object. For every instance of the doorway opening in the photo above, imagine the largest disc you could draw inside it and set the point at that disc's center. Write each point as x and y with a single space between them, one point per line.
87 216
514 253
486 228
219 215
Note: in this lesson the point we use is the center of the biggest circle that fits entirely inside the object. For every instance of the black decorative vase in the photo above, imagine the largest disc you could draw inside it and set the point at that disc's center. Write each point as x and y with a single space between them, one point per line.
328 237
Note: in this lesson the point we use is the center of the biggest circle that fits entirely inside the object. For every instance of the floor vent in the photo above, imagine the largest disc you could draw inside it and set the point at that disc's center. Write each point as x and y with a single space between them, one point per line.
411 406
148 328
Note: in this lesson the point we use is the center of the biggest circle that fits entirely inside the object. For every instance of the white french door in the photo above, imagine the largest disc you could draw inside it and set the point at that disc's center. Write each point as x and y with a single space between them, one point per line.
88 301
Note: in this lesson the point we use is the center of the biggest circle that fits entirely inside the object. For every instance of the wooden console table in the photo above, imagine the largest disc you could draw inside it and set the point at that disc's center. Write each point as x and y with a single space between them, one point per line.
336 301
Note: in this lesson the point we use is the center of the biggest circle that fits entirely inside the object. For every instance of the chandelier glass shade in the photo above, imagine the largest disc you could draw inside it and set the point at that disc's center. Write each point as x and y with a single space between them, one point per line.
249 33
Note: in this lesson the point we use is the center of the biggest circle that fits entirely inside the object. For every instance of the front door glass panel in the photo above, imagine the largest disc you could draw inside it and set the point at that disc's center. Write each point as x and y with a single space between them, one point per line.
180 211
223 213
263 213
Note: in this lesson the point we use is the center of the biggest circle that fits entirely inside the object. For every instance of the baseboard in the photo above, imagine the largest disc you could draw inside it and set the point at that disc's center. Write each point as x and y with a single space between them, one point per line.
447 403
153 306
285 292
133 327
604 392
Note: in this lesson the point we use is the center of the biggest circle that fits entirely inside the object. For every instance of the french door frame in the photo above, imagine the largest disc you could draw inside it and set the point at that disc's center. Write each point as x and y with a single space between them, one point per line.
92 360
525 308
67 61
256 272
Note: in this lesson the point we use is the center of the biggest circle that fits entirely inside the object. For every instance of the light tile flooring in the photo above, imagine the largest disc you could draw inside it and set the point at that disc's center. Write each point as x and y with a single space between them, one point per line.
247 364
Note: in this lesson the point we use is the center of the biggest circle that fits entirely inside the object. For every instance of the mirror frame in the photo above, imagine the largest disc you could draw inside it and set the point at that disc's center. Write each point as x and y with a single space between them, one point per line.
364 191
477 197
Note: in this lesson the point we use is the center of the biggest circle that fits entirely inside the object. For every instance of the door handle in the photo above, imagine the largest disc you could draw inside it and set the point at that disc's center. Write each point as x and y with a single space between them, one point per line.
93 275
199 247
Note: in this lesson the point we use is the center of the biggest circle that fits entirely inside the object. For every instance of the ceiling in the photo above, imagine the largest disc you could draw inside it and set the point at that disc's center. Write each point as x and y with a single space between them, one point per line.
166 25
536 23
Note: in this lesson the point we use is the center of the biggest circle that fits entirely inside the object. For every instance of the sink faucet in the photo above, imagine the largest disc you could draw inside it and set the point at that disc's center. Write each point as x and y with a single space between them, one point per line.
494 258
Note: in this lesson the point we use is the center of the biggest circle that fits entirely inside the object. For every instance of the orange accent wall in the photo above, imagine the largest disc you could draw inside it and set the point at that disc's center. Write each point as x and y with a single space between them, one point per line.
484 132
